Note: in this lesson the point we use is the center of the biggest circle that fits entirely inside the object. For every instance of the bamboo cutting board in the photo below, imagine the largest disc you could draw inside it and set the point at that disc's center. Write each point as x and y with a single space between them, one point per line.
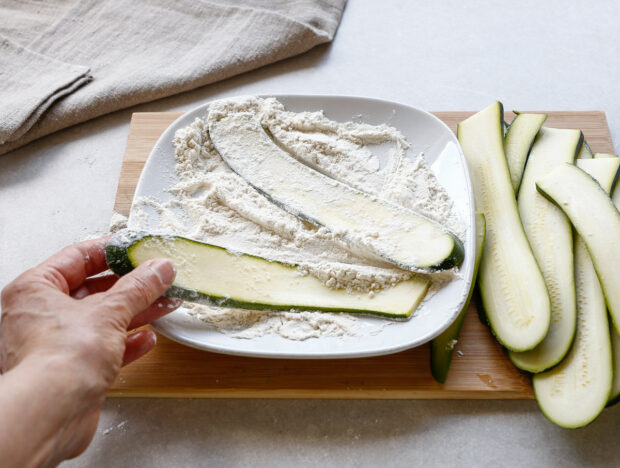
480 368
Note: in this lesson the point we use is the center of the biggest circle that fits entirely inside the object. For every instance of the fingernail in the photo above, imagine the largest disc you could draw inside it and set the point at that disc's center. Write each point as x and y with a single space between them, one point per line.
164 269
80 293
173 303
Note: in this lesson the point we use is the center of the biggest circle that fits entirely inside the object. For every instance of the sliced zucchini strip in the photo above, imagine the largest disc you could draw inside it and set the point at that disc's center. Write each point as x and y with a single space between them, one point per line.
551 238
443 346
512 287
518 142
400 236
597 221
575 392
212 275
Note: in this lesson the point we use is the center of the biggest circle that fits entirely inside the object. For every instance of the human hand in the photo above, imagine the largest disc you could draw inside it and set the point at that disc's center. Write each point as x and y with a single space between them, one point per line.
73 328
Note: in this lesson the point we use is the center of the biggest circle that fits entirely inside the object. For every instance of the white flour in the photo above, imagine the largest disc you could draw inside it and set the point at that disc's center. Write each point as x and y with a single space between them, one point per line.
117 222
212 204
248 324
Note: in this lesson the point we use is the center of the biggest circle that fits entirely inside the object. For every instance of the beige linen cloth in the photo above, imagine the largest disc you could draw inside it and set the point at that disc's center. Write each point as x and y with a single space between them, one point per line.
66 61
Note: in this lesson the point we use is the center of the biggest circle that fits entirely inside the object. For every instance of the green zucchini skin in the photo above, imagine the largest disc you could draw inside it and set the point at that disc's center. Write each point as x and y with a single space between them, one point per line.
482 315
442 347
118 257
451 261
117 248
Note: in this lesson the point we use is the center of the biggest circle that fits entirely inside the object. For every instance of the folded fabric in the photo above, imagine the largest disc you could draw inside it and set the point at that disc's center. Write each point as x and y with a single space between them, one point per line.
31 83
137 51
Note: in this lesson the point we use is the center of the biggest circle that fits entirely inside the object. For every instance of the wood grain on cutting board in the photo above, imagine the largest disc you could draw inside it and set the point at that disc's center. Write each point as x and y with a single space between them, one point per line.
480 369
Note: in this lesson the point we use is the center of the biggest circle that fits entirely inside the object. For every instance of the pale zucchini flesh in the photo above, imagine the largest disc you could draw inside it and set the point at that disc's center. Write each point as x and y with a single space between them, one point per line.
212 275
518 141
550 235
575 392
442 347
597 221
400 236
512 288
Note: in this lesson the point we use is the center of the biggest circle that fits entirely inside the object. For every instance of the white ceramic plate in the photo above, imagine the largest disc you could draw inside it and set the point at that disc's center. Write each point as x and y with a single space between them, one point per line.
426 134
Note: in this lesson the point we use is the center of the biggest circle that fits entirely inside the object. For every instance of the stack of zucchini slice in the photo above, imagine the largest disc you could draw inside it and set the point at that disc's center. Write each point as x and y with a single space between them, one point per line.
551 260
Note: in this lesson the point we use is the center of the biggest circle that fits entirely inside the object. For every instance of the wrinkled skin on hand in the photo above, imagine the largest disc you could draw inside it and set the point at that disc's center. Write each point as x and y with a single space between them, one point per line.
69 331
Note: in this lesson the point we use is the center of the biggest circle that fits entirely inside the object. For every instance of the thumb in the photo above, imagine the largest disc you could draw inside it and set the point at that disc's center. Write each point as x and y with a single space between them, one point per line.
138 289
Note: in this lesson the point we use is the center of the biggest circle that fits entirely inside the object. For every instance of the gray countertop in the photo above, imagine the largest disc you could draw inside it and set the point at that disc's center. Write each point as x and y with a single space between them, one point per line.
435 55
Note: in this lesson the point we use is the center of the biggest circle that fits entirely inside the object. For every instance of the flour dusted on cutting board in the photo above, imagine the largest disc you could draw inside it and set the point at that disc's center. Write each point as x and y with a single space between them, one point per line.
210 203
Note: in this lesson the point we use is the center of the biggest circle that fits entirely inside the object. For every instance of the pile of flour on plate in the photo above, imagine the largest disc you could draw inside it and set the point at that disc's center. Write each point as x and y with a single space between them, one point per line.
210 203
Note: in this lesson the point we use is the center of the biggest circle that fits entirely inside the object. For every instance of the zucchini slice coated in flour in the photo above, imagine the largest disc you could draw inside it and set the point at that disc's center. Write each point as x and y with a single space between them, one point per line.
512 287
597 221
443 346
382 229
551 238
212 275
518 142
574 393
